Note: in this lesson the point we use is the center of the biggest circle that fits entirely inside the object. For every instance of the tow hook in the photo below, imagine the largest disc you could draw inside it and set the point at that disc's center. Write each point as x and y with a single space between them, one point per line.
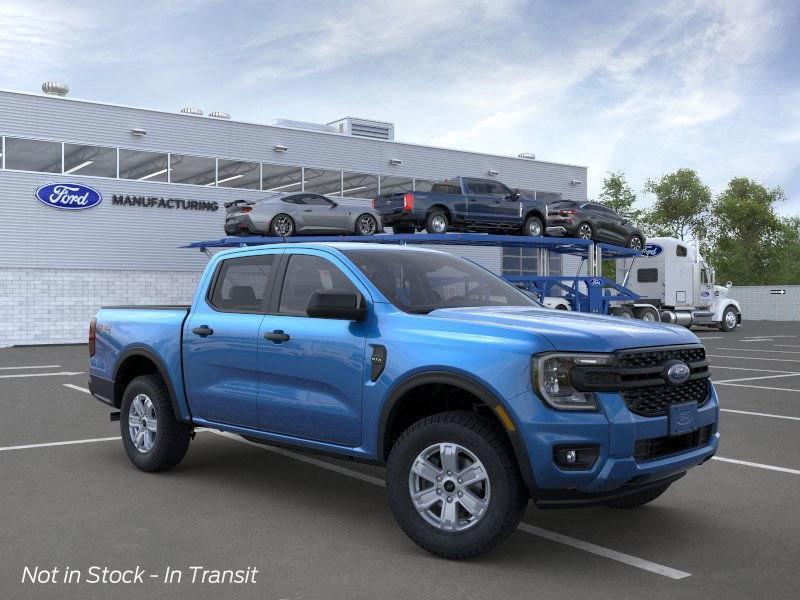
114 416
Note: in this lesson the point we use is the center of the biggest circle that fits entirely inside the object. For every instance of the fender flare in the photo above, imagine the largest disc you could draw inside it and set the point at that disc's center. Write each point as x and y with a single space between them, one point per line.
162 371
729 302
468 385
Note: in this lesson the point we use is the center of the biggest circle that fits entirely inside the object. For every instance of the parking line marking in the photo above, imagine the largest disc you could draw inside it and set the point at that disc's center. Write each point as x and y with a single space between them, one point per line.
605 552
787 346
537 531
31 367
758 414
757 465
759 377
711 337
757 340
78 388
758 387
51 444
15 375
749 358
750 369
760 350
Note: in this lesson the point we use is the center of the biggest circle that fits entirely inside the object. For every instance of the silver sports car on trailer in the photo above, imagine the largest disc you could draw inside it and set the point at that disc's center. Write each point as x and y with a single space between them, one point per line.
300 213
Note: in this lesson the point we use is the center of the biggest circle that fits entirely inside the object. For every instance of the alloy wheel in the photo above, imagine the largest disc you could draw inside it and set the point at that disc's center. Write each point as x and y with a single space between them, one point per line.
142 423
283 226
635 243
730 319
585 231
367 225
439 224
449 487
534 228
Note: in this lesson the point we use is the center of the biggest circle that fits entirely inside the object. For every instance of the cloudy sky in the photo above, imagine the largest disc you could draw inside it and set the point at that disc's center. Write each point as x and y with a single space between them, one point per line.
642 87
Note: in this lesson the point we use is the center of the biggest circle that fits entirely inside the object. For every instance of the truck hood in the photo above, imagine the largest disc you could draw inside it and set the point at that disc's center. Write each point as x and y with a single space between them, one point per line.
573 332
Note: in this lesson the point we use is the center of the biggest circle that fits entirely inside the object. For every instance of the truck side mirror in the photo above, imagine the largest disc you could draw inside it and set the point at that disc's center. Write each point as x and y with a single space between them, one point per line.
333 304
513 195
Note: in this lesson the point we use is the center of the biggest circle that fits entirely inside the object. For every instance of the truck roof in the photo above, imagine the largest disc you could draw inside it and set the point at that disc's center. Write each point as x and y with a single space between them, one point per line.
341 246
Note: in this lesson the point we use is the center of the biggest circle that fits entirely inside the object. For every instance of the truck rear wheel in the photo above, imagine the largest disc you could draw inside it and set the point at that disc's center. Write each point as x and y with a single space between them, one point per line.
533 227
454 486
640 499
436 222
153 438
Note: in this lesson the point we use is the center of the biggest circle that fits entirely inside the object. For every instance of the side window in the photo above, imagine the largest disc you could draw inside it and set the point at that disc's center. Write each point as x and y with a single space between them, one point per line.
497 189
477 187
298 199
703 276
242 284
446 187
315 200
305 275
647 275
680 251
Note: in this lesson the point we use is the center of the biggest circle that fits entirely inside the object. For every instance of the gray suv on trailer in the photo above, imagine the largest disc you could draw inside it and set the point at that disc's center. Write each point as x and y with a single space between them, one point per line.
284 215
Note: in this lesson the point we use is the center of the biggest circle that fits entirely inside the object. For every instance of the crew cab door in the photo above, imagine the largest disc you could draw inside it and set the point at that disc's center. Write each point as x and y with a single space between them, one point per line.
480 201
311 370
221 339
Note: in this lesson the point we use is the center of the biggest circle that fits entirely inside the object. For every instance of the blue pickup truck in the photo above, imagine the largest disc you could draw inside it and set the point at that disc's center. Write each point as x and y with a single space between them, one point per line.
464 204
475 397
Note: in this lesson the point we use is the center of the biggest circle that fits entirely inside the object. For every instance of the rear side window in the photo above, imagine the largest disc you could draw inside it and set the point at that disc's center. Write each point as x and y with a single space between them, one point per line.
243 284
306 274
647 275
446 187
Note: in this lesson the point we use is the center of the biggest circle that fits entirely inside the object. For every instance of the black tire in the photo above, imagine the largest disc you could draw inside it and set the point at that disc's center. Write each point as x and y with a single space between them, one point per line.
361 227
561 307
585 231
488 443
434 220
171 437
639 499
648 314
734 322
276 225
622 311
635 242
533 227
397 229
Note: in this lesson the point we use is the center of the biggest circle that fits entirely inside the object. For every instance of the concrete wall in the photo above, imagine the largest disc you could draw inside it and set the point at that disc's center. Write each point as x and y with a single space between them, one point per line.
758 303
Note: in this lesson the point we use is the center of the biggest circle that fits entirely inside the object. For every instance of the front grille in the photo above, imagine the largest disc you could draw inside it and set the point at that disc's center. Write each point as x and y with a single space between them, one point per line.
640 376
654 401
652 448
651 358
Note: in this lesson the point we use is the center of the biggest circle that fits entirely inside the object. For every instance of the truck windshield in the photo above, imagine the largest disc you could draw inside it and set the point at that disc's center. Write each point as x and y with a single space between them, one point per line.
419 282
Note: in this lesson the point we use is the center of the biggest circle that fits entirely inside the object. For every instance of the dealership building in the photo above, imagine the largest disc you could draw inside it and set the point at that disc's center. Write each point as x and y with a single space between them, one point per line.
162 179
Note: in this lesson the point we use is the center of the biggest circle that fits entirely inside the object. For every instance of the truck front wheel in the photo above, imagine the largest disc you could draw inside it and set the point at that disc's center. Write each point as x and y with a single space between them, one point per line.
454 485
153 438
729 319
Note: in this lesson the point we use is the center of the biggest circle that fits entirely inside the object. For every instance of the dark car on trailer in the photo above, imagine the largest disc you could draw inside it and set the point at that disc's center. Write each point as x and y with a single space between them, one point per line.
464 204
593 221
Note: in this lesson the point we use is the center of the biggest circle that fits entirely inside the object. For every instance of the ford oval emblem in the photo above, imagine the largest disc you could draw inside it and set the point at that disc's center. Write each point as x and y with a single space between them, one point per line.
652 250
678 373
68 196
684 418
595 282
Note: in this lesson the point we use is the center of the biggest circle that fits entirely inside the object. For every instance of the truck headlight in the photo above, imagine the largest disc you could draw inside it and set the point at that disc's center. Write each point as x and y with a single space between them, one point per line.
551 379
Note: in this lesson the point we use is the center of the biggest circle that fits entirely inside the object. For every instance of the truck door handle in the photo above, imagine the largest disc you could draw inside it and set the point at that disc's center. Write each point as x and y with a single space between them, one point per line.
277 336
307 210
203 331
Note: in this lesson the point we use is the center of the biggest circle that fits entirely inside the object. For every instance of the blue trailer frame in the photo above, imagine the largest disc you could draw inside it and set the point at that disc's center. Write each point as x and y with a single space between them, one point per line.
585 293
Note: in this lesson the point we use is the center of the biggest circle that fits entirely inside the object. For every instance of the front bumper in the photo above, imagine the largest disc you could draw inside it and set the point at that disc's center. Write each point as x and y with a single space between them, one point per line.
614 430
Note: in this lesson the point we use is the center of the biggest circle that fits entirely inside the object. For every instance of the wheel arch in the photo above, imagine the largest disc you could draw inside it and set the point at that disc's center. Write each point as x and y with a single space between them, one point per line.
400 397
445 209
535 212
142 361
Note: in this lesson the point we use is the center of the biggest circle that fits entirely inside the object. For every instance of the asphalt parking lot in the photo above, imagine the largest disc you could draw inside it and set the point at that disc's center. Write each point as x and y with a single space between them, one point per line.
320 528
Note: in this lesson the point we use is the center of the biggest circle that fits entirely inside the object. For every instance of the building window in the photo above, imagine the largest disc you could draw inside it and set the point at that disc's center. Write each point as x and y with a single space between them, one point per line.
321 181
647 275
359 185
90 160
238 174
279 178
196 170
143 166
396 185
33 155
525 261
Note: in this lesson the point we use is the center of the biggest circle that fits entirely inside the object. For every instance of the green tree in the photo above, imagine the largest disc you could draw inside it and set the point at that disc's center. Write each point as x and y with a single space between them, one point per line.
618 195
681 206
751 244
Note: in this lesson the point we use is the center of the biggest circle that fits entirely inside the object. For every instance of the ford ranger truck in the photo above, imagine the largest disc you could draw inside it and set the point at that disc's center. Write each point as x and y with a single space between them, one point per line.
475 397
465 204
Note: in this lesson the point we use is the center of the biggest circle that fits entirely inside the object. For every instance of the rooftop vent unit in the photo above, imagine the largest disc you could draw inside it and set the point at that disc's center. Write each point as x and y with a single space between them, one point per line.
53 88
375 130
192 110
303 125
219 115
527 155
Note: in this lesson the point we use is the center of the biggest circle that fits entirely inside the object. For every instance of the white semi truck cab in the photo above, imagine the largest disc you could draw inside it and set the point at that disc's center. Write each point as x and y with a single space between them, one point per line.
673 278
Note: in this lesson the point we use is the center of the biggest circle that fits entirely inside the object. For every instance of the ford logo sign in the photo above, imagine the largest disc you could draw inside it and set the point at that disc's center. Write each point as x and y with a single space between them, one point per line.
678 373
652 250
68 196
595 282
685 418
